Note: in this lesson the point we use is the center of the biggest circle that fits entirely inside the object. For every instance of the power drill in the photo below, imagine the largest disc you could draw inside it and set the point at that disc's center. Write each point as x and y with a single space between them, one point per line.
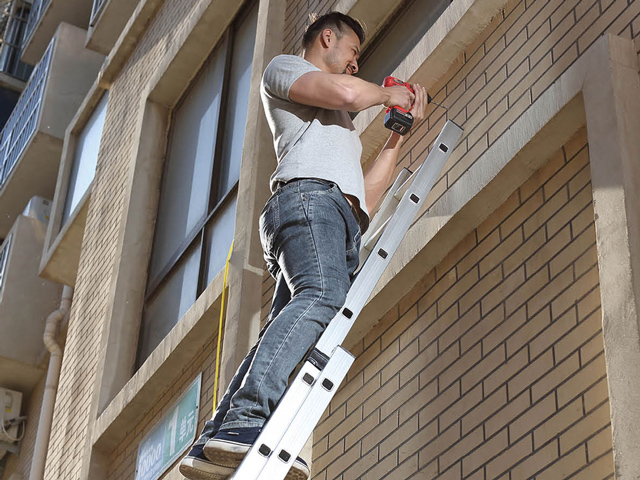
396 118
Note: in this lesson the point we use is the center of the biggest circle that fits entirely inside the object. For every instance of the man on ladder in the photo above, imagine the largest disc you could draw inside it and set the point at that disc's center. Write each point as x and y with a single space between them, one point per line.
310 228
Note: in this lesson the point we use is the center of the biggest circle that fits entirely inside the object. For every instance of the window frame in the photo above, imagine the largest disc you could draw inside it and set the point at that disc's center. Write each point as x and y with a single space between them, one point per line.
214 207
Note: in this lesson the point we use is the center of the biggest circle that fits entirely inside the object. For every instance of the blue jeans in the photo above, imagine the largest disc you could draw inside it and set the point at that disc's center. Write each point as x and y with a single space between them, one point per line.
311 240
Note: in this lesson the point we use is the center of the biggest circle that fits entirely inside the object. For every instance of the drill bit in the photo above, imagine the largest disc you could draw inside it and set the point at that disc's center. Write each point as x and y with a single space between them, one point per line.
430 100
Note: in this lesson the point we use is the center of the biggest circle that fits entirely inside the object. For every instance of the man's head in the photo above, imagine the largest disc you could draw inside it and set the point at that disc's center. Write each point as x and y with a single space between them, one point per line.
335 39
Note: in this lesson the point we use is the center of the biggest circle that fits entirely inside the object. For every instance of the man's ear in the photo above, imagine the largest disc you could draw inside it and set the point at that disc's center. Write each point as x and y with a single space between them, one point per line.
326 37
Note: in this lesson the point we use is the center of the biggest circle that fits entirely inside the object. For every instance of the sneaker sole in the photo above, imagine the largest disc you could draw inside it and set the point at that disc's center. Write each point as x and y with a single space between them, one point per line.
195 469
230 454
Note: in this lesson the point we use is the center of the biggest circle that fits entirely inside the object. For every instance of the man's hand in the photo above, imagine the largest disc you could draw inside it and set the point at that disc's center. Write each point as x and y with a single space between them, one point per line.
418 110
399 96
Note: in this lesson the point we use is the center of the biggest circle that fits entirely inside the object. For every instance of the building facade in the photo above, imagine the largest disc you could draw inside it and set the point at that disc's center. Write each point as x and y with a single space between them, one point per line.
502 342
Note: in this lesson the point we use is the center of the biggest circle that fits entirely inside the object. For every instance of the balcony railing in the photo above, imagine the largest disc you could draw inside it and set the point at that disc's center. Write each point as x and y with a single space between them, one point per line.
4 256
95 11
37 10
23 121
16 23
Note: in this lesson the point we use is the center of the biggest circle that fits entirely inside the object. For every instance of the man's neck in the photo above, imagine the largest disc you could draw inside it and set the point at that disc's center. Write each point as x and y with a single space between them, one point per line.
316 59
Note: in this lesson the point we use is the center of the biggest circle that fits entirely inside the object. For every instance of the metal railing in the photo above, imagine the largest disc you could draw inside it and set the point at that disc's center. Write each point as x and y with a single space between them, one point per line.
15 20
23 120
4 257
95 11
38 7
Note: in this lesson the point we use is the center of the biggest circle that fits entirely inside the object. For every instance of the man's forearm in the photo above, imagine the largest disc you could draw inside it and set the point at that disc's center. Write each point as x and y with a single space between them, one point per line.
360 94
379 176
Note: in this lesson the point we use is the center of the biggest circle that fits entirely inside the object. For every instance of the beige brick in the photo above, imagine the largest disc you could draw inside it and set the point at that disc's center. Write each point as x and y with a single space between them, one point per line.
577 337
410 406
502 374
602 21
564 10
593 347
589 303
542 175
354 470
406 469
461 250
408 327
369 388
465 283
557 329
406 392
504 290
582 178
558 68
536 415
386 425
457 368
600 444
488 121
582 220
347 390
576 204
531 329
443 442
430 297
474 118
408 442
565 175
515 110
410 299
464 404
488 449
504 329
345 426
602 468
498 254
545 295
397 362
581 382
481 369
596 394
578 433
413 366
339 464
321 462
566 256
555 424
380 469
364 359
515 453
515 220
553 378
570 296
436 329
438 405
479 327
545 212
565 465
587 261
458 328
375 400
507 208
462 449
477 93
535 369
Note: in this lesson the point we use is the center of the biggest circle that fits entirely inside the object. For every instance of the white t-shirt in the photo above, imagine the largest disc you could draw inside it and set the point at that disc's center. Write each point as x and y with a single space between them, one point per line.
310 142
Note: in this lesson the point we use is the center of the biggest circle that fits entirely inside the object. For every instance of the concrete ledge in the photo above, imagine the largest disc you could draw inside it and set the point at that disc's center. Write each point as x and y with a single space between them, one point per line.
160 370
458 26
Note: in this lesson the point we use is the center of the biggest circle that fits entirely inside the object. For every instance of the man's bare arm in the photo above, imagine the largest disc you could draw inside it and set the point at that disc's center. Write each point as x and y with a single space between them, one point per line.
379 176
337 91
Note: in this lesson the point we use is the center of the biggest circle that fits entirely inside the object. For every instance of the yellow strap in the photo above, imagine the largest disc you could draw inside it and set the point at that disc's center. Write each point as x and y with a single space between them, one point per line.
224 288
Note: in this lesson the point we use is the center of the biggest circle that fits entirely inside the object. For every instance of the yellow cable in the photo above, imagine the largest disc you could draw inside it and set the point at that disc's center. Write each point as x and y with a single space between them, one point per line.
224 288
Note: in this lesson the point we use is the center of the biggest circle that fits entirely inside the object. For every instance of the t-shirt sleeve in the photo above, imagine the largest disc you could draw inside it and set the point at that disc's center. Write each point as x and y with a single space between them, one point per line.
282 72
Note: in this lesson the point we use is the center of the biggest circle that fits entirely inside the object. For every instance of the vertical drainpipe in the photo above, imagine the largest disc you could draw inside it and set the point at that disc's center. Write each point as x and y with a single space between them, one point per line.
51 385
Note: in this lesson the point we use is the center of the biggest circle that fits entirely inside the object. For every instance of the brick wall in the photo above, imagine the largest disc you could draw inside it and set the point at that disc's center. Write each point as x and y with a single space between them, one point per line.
71 433
122 464
493 364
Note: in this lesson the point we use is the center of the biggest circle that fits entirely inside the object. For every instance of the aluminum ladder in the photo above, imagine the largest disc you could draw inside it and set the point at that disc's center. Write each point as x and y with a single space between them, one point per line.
300 409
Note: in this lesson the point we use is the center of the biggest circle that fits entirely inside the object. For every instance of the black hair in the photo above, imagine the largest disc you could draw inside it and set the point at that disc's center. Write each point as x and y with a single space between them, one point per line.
336 21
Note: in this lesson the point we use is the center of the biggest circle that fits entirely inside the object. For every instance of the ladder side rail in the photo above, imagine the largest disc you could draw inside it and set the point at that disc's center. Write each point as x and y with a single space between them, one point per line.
388 243
303 423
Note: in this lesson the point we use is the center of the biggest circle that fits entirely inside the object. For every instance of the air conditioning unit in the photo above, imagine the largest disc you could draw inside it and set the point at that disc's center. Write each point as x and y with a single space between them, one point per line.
10 402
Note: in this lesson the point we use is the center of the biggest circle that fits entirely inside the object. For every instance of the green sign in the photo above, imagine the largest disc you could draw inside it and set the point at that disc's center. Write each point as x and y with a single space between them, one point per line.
171 437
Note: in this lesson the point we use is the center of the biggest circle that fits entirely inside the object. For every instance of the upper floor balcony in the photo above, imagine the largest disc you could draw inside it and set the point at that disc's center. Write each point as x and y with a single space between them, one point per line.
31 141
14 20
43 22
25 300
108 19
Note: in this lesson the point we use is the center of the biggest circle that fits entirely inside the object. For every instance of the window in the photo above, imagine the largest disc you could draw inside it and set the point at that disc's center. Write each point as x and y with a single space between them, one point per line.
196 214
85 158
399 36
4 257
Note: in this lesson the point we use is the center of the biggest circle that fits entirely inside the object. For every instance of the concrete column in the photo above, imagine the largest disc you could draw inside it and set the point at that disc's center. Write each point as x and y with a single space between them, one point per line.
611 94
258 162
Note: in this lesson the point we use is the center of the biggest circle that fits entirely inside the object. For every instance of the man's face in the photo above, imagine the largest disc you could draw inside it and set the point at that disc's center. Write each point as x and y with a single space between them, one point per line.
343 54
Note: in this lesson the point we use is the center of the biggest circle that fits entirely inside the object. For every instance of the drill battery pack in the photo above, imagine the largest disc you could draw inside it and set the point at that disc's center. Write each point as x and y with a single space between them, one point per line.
398 120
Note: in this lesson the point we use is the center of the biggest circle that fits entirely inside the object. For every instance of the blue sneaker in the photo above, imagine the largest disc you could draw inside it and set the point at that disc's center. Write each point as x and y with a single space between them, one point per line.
195 466
228 447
